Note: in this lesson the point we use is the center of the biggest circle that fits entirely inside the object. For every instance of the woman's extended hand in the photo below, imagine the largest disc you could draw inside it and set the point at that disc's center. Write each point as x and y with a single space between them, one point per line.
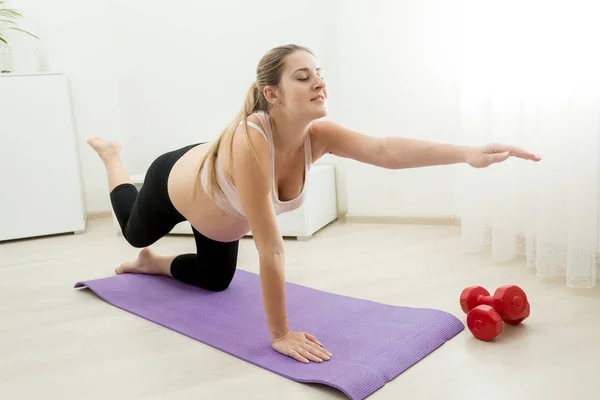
301 346
481 157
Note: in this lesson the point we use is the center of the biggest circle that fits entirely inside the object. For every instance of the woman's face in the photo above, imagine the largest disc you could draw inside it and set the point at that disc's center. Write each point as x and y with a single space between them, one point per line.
303 91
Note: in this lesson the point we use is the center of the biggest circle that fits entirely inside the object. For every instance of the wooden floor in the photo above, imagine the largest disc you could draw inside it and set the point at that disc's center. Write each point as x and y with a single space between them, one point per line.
61 343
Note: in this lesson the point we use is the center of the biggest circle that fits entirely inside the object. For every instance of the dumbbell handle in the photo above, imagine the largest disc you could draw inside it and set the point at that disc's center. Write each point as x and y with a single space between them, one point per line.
487 300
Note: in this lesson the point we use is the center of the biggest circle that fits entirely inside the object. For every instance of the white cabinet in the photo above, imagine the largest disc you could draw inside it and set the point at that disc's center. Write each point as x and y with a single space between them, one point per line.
318 210
40 179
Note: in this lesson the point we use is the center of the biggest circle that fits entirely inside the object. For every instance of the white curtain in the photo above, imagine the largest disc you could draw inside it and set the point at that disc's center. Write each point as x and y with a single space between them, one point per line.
530 75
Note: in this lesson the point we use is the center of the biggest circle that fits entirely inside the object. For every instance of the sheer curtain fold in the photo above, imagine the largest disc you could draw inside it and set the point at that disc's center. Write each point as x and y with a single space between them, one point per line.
530 76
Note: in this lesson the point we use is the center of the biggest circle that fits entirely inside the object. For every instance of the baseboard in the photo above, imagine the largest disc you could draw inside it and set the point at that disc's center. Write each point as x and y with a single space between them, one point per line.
367 219
99 214
406 220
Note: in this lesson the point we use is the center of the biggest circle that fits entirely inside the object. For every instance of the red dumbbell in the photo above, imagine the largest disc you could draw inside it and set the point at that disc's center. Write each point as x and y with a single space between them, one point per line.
519 320
485 323
510 301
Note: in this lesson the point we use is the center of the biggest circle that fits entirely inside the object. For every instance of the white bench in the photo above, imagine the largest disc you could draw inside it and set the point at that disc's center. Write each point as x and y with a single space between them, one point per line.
318 210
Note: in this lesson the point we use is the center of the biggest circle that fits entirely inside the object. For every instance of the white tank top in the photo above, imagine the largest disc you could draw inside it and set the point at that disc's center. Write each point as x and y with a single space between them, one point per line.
231 203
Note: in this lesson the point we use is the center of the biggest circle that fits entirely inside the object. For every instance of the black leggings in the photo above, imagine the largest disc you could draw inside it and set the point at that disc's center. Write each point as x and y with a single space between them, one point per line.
149 215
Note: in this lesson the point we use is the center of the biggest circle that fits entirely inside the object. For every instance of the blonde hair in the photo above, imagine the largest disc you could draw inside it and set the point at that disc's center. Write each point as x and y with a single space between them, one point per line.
268 73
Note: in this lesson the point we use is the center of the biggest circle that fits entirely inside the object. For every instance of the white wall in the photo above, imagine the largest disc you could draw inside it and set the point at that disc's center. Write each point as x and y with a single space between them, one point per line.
398 77
158 75
80 41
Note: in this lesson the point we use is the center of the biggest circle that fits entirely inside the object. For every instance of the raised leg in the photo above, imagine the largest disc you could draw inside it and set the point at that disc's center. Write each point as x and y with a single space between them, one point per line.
110 153
146 215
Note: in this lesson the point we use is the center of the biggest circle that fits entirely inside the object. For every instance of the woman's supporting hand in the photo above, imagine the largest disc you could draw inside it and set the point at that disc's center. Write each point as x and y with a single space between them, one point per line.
301 346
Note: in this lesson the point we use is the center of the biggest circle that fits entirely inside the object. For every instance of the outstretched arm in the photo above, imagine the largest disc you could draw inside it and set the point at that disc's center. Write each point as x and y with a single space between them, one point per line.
398 152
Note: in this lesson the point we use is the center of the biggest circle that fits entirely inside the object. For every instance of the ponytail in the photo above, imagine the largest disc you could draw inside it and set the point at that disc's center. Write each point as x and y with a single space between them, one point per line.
252 104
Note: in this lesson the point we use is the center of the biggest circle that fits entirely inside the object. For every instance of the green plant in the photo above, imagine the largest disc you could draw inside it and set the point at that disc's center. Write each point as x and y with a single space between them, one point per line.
9 16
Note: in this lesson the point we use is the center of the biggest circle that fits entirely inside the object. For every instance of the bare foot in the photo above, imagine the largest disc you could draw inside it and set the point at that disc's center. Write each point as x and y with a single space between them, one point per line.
143 265
106 150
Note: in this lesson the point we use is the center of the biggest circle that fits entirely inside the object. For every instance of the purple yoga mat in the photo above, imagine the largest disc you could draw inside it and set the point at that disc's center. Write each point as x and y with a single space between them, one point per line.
371 343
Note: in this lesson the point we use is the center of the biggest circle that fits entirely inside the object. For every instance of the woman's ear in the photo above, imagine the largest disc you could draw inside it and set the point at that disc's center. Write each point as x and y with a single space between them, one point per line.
271 95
